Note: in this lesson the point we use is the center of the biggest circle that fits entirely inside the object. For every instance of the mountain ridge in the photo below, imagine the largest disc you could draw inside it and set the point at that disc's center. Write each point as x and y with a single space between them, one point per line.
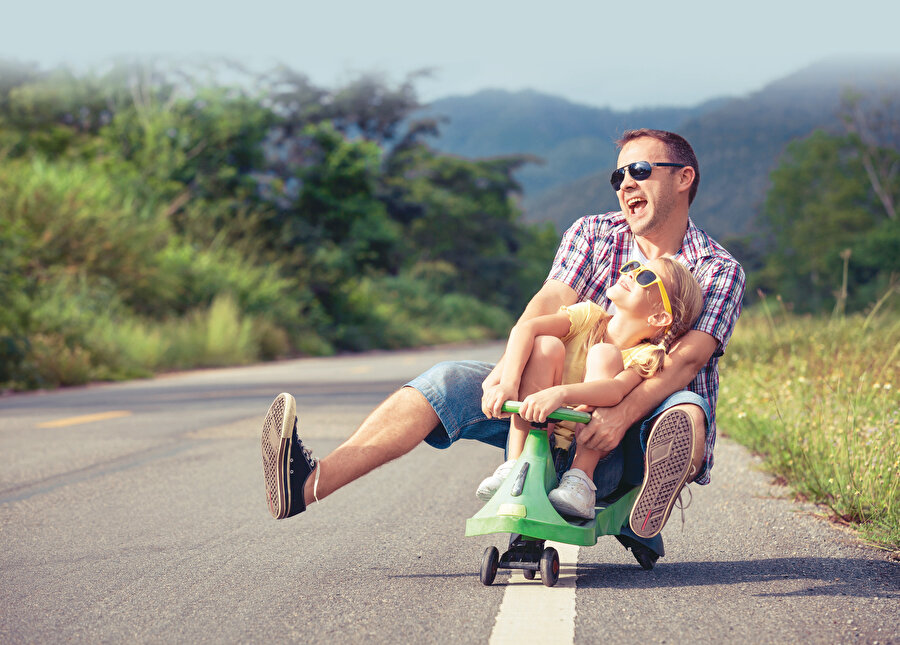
738 140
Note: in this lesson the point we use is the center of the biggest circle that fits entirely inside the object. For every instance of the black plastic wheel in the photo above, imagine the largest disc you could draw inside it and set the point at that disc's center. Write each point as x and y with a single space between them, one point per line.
549 566
528 573
489 562
645 556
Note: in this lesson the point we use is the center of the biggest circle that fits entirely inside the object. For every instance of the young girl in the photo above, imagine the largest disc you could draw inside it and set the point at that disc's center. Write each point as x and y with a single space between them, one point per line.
584 355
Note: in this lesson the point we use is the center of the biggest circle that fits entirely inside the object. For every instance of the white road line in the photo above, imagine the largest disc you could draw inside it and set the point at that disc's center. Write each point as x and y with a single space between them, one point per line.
533 613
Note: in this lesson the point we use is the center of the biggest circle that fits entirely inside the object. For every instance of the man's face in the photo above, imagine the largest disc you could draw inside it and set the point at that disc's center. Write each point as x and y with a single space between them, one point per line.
648 203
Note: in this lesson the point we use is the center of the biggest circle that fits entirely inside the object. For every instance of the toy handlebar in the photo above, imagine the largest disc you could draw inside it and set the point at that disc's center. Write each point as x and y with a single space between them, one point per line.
559 414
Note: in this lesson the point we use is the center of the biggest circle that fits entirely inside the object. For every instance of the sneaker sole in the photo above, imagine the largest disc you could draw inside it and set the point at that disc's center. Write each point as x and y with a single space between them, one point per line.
277 431
670 449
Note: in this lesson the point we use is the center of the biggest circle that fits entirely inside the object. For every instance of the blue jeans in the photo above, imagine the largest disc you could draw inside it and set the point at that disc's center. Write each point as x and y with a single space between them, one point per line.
453 389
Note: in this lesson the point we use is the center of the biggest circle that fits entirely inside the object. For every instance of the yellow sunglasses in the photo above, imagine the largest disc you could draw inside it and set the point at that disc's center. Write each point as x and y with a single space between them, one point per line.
645 278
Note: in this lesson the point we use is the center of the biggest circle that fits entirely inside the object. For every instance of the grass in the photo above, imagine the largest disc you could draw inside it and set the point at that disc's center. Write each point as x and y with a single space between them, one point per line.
819 399
83 333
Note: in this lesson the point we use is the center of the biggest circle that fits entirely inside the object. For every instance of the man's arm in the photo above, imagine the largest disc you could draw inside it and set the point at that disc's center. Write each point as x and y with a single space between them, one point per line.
686 358
553 295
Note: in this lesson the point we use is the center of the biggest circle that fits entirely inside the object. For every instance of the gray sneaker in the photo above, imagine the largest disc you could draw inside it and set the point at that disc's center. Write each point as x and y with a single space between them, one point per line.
575 495
670 448
489 486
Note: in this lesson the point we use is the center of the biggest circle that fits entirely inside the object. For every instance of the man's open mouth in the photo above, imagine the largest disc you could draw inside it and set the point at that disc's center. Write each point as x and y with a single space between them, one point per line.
635 203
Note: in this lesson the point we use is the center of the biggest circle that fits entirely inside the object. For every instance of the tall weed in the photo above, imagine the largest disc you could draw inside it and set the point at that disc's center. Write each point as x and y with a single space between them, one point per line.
819 397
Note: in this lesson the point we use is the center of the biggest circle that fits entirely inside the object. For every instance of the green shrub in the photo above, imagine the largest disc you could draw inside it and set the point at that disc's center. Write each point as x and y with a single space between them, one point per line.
401 311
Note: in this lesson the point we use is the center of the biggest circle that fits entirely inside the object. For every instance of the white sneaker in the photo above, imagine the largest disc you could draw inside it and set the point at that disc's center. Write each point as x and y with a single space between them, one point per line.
574 495
489 486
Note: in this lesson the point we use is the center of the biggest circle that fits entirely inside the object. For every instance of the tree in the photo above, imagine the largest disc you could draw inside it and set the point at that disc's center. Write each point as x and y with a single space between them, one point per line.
875 133
461 213
830 205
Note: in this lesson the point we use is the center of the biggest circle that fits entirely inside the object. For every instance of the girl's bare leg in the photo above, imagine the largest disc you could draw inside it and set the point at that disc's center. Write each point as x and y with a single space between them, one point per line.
544 369
585 458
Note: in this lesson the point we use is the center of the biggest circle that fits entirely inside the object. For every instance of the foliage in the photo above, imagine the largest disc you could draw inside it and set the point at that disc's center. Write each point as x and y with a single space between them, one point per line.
832 230
151 219
459 214
818 397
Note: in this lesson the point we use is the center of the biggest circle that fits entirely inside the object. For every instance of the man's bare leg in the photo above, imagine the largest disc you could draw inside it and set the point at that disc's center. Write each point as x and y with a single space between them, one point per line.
293 477
698 416
393 429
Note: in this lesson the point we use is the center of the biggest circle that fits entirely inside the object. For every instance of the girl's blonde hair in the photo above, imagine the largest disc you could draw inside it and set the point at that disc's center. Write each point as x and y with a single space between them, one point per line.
686 300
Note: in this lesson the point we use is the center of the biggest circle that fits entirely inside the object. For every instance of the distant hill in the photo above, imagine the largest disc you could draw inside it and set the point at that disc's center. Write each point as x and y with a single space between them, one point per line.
738 140
573 140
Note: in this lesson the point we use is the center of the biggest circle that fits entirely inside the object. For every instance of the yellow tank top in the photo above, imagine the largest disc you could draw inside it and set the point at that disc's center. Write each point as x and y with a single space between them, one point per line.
583 318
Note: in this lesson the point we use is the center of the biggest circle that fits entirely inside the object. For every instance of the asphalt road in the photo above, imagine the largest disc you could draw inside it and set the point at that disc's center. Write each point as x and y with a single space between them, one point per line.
136 512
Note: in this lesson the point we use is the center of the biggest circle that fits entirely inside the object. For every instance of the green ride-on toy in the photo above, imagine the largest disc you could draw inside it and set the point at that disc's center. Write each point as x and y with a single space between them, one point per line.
520 507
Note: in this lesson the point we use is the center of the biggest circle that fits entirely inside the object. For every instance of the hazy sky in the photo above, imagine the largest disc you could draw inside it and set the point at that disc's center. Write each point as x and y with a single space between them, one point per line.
600 52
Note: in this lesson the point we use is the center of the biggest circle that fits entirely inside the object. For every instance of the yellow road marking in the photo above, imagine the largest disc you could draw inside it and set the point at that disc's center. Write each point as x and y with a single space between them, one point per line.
85 418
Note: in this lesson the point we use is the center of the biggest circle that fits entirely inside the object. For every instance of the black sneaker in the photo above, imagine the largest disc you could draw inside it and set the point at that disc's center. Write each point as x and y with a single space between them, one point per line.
286 462
667 467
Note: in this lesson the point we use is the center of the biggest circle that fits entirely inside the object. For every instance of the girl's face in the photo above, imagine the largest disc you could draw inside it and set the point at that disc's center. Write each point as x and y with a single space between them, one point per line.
636 301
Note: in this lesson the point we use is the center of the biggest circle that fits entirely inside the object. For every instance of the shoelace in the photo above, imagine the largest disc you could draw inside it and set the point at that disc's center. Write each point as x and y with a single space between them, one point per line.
316 487
679 503
307 454
314 463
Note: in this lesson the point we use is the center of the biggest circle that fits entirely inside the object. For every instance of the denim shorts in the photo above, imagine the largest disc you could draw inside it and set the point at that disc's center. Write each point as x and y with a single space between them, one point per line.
453 389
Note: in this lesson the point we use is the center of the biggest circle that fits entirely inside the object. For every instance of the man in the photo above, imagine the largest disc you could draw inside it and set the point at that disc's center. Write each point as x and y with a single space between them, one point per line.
670 416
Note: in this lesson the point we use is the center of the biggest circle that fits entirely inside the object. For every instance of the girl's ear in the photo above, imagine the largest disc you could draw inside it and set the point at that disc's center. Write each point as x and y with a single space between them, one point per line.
662 319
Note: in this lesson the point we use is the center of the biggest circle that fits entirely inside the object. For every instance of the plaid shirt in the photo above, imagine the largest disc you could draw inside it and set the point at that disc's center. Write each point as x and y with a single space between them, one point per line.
595 247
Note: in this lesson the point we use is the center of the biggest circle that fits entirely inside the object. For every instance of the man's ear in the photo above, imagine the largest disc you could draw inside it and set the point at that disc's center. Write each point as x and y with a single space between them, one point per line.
662 319
686 178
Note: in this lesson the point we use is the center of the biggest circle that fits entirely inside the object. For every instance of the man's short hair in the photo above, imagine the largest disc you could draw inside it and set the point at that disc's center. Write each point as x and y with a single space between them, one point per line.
678 147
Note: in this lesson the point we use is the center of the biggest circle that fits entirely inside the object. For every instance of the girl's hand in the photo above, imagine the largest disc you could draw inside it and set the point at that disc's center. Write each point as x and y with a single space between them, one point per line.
494 398
537 406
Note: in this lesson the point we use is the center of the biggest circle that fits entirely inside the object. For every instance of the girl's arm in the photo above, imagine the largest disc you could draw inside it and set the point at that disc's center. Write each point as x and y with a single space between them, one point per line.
602 393
547 301
606 384
518 351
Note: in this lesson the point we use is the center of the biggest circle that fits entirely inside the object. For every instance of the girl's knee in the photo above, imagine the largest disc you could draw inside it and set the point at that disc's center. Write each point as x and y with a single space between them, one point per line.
549 348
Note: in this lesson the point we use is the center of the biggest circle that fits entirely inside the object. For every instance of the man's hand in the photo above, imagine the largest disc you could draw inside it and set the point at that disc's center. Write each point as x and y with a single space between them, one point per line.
537 406
608 425
605 429
494 398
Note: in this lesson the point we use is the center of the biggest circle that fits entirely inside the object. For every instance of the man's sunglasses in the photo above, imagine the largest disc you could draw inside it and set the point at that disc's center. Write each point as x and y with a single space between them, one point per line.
645 278
639 170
